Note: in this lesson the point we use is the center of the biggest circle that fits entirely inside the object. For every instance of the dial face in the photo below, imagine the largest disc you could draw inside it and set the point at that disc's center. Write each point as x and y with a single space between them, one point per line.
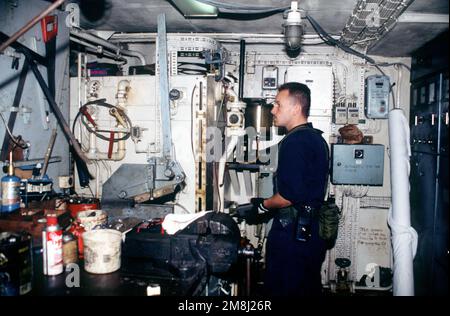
359 153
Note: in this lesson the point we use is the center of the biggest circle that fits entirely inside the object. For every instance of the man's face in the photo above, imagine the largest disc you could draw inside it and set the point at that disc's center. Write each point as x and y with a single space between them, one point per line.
283 109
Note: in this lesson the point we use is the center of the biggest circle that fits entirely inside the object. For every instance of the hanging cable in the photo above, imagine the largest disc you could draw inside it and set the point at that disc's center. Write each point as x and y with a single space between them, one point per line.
18 141
96 132
328 39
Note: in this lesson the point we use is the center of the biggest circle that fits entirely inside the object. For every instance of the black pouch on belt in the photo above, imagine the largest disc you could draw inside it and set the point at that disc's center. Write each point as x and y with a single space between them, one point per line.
303 227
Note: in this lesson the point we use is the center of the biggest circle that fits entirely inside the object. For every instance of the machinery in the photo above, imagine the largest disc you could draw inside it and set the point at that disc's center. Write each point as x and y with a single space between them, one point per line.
180 123
209 245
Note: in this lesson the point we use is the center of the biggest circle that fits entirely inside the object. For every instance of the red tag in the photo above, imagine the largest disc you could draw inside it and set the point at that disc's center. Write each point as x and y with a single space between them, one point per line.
49 26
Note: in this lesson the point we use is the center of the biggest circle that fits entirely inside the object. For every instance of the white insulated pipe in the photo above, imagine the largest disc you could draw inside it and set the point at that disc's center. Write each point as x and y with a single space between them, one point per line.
404 237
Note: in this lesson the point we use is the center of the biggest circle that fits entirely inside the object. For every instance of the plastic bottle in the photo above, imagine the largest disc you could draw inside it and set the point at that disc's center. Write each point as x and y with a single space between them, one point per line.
52 244
10 190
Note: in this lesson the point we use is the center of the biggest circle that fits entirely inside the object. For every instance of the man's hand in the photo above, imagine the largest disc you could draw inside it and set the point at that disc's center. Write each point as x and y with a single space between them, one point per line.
252 212
258 205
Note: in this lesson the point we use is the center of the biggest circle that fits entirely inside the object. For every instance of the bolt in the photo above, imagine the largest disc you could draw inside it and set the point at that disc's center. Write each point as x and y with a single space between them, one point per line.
122 194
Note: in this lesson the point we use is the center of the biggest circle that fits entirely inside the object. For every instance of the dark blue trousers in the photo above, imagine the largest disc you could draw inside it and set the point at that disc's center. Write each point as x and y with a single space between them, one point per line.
293 267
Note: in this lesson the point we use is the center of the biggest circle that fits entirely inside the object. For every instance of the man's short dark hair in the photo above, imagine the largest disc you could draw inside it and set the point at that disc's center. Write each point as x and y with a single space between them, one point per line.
300 92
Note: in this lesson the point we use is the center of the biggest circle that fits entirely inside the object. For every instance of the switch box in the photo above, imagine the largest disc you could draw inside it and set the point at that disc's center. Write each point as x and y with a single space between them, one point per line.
377 97
340 113
352 113
357 164
269 78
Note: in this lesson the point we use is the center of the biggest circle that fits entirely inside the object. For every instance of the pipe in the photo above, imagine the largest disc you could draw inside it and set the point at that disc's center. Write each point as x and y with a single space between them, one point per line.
97 180
220 37
121 96
92 48
100 41
30 24
241 68
404 237
119 154
94 154
399 83
79 88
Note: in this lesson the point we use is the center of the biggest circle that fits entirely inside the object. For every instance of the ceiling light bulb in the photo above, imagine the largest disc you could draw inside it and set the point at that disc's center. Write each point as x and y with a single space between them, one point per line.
293 29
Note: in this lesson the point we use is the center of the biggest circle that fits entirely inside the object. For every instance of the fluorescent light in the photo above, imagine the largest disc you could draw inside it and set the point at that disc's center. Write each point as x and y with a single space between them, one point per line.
195 9
416 17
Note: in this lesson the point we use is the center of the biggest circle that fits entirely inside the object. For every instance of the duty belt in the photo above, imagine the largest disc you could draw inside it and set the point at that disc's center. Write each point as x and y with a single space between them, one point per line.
288 215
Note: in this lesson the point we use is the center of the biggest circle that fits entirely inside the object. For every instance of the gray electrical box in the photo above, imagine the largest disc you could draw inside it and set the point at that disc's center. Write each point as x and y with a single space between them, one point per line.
269 78
377 97
357 164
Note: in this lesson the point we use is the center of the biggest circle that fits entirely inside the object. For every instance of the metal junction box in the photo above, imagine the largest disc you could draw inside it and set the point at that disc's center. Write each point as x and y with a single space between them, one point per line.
357 164
377 97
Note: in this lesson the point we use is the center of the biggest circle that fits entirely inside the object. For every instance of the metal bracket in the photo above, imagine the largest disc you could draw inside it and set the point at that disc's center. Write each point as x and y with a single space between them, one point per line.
141 182
217 58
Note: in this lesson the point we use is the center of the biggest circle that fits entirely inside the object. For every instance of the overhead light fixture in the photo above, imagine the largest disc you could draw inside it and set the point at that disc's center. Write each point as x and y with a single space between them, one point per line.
195 9
293 29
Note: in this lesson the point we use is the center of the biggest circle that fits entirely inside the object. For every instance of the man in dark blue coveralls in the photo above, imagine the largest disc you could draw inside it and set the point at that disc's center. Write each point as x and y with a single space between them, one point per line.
293 264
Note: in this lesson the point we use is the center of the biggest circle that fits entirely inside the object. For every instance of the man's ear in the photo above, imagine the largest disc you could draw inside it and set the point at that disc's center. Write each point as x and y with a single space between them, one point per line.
298 109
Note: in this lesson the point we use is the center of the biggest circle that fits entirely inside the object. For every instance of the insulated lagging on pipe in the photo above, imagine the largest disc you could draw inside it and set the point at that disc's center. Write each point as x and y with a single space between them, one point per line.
404 237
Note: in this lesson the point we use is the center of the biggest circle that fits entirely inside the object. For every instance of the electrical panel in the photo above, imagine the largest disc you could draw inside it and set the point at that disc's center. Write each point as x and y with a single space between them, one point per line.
340 113
352 113
357 164
270 78
377 97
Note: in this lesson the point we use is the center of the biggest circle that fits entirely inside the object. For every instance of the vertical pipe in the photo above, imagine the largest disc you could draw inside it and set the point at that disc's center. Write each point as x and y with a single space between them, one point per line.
79 91
241 68
404 237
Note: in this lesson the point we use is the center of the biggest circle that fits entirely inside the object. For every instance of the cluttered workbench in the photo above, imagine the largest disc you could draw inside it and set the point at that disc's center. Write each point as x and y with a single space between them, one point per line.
75 281
124 255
